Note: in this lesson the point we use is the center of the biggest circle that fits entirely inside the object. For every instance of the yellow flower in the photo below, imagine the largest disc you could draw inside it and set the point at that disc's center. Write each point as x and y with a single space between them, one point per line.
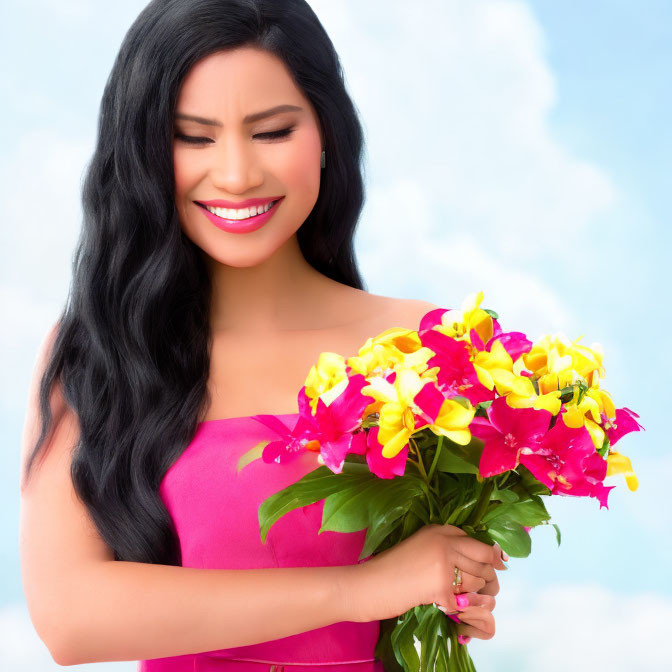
396 422
453 421
549 402
557 361
326 379
458 323
588 412
494 368
383 352
620 464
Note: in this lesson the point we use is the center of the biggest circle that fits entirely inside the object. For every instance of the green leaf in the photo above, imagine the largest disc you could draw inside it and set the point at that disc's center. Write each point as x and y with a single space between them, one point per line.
356 467
361 503
462 511
530 513
251 455
418 507
605 446
403 643
530 483
441 658
482 407
384 650
558 536
451 463
511 536
380 531
492 313
428 634
469 453
314 486
507 496
449 485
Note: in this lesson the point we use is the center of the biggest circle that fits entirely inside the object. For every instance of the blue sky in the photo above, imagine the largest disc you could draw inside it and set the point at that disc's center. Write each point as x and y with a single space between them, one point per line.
536 136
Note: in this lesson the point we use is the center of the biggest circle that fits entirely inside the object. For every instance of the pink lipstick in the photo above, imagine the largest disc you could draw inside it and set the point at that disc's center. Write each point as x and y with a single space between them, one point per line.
240 225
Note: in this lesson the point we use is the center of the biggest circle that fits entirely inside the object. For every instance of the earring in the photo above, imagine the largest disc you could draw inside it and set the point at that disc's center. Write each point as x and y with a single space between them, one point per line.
322 160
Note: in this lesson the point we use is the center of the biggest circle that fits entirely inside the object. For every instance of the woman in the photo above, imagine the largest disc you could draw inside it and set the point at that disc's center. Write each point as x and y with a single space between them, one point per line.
184 320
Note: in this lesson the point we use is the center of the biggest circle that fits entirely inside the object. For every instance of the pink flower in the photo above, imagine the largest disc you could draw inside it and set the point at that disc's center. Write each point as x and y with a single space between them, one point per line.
456 375
505 433
514 342
332 430
623 424
384 467
568 464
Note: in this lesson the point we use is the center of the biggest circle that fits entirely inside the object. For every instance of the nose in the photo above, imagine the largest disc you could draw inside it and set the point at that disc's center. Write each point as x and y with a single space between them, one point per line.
236 167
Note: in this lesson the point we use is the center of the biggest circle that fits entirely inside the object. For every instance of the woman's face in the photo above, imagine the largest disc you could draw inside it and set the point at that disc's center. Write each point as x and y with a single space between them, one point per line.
223 156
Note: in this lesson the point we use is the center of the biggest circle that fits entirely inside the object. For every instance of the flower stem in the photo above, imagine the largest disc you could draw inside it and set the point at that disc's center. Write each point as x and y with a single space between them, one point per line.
482 503
421 466
436 457
421 469
505 477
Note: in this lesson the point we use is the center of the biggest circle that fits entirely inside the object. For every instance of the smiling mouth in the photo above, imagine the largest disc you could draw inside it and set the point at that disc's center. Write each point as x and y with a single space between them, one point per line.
240 214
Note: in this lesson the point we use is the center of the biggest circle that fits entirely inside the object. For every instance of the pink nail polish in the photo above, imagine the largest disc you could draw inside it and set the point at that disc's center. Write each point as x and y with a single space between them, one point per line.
462 601
463 639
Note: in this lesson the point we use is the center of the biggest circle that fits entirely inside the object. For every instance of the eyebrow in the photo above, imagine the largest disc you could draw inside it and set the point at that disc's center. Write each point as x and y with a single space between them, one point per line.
249 119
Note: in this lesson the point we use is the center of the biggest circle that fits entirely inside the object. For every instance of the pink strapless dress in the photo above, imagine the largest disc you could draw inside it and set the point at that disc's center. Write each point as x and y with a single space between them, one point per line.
215 511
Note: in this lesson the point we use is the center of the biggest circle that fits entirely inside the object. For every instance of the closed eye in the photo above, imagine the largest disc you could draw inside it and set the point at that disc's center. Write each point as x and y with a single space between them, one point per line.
271 135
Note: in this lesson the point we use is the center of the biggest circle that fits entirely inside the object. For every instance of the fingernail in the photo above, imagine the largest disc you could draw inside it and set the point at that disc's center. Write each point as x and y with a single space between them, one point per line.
462 601
446 612
505 555
463 639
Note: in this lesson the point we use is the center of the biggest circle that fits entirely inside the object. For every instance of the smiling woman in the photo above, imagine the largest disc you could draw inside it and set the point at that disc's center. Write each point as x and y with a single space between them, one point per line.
271 155
214 265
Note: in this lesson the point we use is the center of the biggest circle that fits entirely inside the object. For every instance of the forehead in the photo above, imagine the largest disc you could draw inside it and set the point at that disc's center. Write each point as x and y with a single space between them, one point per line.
230 84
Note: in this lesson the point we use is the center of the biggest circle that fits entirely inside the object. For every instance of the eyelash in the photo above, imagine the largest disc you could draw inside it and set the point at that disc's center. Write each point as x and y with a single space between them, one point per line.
271 134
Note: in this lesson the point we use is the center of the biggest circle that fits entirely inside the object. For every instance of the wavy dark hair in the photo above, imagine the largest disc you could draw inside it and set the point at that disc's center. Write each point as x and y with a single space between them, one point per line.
132 348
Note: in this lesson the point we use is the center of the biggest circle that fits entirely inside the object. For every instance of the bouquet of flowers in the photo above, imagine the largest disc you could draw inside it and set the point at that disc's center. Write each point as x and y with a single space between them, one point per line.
459 423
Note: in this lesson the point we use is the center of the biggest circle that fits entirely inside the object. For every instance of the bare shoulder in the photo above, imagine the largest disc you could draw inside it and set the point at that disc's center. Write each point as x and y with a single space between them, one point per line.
405 313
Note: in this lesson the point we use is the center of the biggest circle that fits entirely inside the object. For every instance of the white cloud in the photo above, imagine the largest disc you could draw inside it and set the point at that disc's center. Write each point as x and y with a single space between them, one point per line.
644 505
583 627
26 320
21 650
444 269
455 100
40 193
62 9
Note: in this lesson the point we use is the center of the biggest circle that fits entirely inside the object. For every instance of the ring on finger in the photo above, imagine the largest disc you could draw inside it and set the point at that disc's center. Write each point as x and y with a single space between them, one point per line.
457 582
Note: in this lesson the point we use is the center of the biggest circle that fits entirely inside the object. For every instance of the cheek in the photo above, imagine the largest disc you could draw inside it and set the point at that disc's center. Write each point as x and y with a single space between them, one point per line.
301 172
184 170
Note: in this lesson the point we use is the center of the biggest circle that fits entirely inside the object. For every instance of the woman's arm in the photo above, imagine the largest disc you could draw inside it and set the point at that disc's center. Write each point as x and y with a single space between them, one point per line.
86 607
133 611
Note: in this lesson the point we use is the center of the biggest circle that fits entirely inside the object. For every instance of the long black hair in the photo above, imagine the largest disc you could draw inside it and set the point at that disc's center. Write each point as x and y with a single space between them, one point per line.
132 349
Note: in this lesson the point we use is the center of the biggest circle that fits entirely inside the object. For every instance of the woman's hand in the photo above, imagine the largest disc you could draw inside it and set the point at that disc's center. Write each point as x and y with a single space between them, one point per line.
475 610
420 570
474 616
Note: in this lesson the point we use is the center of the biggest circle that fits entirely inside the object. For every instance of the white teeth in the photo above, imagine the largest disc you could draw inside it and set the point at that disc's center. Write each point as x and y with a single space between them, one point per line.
243 213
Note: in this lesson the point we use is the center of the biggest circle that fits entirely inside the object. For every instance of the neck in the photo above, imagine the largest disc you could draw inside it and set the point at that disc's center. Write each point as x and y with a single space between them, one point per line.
276 294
